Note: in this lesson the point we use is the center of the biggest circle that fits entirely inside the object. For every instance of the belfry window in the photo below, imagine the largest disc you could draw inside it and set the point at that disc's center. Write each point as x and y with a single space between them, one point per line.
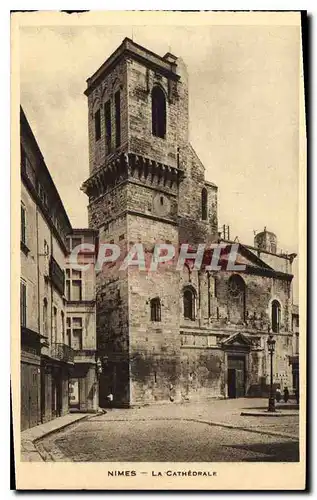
204 203
97 125
189 303
158 113
276 316
155 309
108 126
118 117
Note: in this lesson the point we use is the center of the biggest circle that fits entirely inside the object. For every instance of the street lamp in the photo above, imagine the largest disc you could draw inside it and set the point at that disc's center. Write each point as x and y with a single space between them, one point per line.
271 349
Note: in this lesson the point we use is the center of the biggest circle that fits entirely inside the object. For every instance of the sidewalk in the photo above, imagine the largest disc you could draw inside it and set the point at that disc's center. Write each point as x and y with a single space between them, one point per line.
29 452
222 413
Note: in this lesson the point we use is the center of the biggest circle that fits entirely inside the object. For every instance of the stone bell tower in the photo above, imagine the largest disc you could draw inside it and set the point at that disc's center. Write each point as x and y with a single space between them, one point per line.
139 159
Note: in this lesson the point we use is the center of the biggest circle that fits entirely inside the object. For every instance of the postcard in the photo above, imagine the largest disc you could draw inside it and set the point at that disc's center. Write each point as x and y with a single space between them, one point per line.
159 329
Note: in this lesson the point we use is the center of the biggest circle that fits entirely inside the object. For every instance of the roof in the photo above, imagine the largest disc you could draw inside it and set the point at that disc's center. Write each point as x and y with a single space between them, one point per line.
212 184
27 129
129 48
86 230
253 264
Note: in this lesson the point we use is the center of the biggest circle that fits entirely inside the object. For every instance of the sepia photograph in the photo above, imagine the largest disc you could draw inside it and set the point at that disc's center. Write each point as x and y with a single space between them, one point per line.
161 328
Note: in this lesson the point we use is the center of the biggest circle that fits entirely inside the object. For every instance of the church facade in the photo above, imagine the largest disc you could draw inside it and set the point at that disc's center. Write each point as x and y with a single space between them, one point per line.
170 335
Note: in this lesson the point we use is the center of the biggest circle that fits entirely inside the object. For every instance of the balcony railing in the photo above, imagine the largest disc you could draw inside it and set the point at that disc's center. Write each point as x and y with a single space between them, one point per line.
62 352
57 275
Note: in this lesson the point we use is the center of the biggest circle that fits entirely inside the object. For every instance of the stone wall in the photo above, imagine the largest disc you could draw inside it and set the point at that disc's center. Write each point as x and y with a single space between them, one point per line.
154 346
202 373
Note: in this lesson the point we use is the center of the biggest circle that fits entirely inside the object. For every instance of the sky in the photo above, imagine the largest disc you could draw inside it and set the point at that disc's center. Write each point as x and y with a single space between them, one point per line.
244 112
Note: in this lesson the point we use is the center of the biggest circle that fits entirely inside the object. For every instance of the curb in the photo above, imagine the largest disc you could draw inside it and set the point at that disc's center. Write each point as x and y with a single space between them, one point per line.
29 451
84 417
256 431
268 414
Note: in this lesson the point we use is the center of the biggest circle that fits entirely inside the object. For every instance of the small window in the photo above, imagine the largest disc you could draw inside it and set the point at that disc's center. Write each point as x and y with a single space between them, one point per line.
46 249
156 309
23 224
97 125
76 290
108 126
204 204
77 333
54 332
63 326
189 302
121 237
74 287
158 112
118 118
75 242
45 326
68 331
276 316
23 302
74 332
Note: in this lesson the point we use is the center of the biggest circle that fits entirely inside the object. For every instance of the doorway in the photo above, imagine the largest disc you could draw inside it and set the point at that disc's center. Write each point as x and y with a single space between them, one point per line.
56 396
236 376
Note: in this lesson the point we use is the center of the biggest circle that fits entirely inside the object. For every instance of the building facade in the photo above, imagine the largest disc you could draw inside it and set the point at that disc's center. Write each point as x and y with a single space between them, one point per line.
294 359
48 354
168 335
81 322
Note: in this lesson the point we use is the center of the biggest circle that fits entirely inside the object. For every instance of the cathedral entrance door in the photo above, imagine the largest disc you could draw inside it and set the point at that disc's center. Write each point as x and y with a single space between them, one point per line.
231 383
236 376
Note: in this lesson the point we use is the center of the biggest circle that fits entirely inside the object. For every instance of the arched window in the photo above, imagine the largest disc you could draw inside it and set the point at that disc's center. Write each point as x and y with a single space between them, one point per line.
155 309
158 113
237 298
189 300
236 285
204 203
276 316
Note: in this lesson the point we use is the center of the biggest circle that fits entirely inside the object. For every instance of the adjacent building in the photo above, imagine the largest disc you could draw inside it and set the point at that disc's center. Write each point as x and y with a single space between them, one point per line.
168 335
50 353
294 359
81 322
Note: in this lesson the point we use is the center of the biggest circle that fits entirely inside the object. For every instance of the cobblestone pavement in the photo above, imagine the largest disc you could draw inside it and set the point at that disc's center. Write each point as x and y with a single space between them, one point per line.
176 433
226 412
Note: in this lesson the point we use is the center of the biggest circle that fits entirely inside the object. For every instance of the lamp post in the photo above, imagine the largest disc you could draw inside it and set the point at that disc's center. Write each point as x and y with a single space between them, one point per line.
271 348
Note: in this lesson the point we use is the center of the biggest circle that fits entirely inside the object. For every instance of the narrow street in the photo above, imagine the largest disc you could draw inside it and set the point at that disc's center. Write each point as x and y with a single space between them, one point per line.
181 433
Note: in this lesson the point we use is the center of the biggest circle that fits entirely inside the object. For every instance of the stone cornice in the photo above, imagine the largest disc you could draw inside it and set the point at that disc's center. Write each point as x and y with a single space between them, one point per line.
127 166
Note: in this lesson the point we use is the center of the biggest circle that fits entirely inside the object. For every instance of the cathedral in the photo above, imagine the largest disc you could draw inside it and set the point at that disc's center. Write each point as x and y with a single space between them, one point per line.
174 335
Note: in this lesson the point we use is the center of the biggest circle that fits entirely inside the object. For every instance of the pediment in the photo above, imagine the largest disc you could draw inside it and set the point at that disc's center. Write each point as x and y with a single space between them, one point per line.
237 340
242 256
